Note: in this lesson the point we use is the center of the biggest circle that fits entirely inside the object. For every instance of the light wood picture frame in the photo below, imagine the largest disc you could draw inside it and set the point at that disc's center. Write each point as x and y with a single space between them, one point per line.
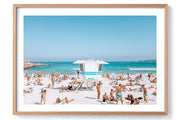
15 59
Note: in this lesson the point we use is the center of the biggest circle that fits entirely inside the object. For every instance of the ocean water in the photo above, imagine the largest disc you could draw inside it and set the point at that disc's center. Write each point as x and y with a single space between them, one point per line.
112 67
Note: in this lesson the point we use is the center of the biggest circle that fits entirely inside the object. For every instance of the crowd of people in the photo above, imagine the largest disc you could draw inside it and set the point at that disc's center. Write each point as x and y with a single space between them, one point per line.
115 95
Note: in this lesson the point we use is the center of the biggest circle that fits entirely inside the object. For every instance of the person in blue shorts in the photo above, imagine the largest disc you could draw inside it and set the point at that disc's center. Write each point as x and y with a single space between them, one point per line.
119 93
145 93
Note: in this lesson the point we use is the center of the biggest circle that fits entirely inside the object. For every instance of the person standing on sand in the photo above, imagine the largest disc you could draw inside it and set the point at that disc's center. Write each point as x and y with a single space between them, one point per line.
112 97
128 76
28 78
98 90
26 75
140 75
144 93
119 93
52 79
43 96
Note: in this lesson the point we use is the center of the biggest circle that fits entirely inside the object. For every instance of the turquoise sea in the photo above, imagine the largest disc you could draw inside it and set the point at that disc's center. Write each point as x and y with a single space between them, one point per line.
112 67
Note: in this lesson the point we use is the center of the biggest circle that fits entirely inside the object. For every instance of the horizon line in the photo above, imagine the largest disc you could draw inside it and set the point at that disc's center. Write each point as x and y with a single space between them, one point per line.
103 60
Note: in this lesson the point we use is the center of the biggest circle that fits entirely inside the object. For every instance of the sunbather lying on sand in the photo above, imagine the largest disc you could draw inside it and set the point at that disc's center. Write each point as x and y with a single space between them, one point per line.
152 86
68 101
65 77
154 93
39 83
70 87
58 100
74 82
154 80
30 90
49 86
134 101
129 84
28 83
137 78
39 75
58 81
115 84
73 78
133 89
151 75
63 89
138 82
131 98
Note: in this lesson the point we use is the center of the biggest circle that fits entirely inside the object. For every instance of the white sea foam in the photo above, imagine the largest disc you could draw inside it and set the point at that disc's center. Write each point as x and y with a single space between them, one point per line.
75 68
142 68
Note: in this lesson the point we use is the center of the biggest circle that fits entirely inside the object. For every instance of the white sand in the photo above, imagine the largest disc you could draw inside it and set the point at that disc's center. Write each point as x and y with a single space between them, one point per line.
82 97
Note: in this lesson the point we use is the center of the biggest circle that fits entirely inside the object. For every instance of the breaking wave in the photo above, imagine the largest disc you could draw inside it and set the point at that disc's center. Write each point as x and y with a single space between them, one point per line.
75 68
142 68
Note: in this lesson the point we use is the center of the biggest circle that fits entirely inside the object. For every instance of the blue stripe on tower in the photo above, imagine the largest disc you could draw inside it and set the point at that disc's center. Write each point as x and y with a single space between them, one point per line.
93 73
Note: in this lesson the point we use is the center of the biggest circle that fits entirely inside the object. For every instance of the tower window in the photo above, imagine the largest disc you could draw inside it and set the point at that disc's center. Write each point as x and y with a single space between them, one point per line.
100 67
81 67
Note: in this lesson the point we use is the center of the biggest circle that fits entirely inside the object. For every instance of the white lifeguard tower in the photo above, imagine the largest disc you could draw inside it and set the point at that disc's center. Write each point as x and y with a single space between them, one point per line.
90 70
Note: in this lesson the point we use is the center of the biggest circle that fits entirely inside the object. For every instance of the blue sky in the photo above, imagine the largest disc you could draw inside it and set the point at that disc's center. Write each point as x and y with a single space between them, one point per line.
109 38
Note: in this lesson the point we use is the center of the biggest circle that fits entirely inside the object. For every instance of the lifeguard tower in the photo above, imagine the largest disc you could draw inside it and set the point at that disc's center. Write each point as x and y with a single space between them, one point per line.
90 70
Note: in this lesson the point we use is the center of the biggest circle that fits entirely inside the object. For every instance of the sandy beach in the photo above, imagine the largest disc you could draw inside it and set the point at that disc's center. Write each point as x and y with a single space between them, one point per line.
32 89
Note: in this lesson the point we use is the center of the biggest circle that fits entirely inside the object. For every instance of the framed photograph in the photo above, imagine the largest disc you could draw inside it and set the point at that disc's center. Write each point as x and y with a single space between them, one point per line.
90 59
